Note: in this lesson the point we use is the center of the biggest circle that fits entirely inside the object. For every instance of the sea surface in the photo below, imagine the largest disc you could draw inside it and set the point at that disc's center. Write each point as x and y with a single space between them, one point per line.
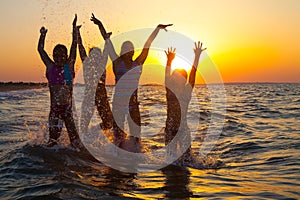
256 156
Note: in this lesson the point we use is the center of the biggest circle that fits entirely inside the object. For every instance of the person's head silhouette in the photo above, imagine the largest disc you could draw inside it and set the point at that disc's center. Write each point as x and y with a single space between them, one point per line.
127 50
179 78
60 55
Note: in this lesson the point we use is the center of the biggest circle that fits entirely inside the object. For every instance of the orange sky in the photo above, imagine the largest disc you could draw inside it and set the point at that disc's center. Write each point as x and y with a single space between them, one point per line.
248 41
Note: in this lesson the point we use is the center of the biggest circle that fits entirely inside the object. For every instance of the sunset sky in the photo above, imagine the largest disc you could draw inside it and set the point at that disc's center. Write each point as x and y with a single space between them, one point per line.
248 41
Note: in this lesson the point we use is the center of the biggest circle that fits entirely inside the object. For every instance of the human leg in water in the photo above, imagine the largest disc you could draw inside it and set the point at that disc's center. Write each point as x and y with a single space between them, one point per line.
133 143
71 128
103 107
118 125
55 126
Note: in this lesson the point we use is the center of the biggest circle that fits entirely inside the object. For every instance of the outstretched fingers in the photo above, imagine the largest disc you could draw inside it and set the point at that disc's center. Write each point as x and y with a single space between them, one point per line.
167 53
198 47
201 47
94 19
170 53
171 50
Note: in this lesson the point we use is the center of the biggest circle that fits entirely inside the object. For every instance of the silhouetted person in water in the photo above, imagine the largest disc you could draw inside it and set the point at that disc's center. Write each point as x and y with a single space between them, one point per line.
127 73
60 74
178 96
94 77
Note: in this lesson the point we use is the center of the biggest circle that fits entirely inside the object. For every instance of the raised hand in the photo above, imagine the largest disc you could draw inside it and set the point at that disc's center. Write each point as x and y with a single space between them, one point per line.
164 26
170 54
75 20
95 20
43 30
198 48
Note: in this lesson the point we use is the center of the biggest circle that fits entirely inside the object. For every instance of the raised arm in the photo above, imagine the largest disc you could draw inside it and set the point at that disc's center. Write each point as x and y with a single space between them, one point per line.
44 56
106 36
104 61
105 52
72 56
103 32
170 57
198 50
82 51
142 57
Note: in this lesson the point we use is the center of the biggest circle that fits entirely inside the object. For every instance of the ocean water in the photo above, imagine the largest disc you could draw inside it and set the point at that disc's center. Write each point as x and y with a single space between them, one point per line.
257 155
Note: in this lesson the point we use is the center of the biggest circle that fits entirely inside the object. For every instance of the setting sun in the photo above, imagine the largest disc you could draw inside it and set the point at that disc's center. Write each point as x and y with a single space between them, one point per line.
178 99
242 45
180 63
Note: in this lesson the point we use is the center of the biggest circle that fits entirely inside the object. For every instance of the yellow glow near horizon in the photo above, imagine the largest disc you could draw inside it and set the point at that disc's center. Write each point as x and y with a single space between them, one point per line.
177 63
180 63
249 40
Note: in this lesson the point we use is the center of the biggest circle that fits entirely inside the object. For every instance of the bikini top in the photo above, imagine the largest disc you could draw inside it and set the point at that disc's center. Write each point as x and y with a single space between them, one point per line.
121 69
60 75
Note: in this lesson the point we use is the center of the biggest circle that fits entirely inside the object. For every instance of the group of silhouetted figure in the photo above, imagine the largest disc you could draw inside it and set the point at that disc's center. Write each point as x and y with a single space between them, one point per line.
125 105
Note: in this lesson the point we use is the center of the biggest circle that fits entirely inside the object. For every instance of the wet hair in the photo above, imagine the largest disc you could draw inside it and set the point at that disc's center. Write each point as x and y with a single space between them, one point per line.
60 49
127 47
182 72
93 48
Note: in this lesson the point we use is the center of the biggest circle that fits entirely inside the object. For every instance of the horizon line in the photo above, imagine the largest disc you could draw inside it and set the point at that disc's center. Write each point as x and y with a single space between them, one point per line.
158 84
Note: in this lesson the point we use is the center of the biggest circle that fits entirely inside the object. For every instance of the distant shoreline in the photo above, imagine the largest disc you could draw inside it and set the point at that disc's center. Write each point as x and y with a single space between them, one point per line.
13 86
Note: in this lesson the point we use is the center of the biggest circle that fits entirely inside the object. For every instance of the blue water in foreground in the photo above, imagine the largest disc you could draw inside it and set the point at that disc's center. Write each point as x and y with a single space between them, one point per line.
259 149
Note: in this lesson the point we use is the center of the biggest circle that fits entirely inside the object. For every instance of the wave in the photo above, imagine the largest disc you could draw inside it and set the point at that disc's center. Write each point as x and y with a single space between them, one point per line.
259 139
